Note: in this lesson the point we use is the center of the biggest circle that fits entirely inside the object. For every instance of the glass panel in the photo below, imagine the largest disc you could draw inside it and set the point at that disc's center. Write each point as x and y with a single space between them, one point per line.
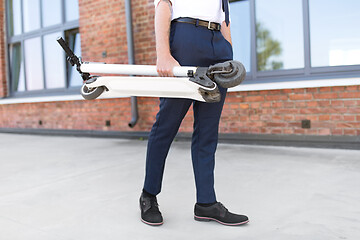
334 31
31 9
33 64
54 62
240 32
16 68
14 17
51 12
75 45
279 34
71 10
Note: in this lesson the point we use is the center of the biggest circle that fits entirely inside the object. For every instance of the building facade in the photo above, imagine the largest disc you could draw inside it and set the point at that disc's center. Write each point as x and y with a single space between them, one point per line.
302 61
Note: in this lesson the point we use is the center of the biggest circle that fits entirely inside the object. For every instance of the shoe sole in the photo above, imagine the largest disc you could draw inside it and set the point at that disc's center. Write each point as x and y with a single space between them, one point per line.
152 224
207 219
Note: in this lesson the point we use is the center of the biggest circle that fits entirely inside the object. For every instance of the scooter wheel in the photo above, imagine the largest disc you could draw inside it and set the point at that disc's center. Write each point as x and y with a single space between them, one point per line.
91 93
233 78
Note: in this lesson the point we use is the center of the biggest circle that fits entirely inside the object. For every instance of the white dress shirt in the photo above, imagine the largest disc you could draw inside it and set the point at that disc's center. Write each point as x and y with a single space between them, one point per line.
208 10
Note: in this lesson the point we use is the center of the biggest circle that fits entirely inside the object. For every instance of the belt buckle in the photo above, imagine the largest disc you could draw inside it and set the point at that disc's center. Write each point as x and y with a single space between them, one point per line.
209 26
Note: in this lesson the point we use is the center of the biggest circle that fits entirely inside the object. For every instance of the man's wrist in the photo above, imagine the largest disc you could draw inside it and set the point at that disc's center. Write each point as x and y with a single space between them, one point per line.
163 54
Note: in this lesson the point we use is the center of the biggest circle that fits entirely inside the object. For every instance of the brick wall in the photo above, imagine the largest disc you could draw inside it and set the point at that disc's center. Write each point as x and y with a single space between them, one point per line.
144 32
3 82
103 29
332 110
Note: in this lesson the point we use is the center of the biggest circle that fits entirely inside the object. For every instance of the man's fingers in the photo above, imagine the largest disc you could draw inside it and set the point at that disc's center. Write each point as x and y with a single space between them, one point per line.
165 72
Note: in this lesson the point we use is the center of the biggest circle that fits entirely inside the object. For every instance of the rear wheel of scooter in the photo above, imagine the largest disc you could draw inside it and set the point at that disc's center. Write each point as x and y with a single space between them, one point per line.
91 93
232 78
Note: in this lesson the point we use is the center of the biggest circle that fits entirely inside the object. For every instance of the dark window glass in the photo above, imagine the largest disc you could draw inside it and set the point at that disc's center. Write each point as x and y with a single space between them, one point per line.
334 32
14 17
17 68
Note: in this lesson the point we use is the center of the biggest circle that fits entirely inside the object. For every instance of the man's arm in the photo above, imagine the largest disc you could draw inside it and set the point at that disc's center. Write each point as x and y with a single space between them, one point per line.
225 30
165 62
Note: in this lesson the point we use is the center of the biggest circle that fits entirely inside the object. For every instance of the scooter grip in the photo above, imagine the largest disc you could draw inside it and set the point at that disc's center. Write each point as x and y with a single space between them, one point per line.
64 45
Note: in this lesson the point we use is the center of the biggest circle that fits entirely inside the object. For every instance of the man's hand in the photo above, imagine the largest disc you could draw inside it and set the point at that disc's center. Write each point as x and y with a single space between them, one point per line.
165 62
225 30
165 65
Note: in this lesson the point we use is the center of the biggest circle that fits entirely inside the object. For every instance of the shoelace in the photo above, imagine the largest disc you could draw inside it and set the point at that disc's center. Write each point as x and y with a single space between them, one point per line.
154 206
222 206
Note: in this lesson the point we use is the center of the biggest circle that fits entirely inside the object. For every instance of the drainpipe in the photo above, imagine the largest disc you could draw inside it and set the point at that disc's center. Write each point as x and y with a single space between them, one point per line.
129 34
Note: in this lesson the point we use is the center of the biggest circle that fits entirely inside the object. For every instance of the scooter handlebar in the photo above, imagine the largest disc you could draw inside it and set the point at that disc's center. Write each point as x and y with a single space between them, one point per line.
66 48
148 70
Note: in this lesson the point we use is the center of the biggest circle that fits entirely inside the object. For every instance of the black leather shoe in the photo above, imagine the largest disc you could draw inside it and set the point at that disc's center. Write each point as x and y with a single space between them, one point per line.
220 214
150 213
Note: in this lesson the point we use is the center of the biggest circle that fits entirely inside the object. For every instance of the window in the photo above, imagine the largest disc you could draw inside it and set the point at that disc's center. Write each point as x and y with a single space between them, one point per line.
335 38
241 34
37 62
297 38
279 35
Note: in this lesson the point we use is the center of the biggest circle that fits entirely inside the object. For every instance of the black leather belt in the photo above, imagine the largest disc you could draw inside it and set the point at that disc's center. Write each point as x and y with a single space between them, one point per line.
197 22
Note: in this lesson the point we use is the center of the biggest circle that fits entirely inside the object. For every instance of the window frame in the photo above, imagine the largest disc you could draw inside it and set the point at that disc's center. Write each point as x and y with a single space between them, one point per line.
62 27
308 72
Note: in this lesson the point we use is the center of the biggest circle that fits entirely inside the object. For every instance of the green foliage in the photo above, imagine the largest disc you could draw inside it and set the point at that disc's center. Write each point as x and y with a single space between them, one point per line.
267 47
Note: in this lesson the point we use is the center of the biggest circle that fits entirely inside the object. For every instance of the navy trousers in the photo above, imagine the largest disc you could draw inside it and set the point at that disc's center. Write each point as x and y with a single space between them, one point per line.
190 45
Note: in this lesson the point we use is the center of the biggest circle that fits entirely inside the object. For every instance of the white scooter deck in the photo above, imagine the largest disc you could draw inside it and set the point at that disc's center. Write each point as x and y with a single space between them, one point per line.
170 87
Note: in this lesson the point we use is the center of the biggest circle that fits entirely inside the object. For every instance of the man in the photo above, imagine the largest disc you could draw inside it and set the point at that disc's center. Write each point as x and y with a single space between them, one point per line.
191 33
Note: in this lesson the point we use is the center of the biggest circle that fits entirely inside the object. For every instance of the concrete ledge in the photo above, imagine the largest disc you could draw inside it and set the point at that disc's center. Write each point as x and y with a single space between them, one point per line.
336 142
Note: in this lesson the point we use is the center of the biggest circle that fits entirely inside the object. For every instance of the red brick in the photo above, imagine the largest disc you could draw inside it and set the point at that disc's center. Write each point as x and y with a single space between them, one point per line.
338 89
324 117
350 132
256 105
351 88
350 103
300 96
277 105
312 90
348 125
324 131
325 95
312 104
349 118
254 99
349 95
300 104
325 89
266 105
337 132
275 97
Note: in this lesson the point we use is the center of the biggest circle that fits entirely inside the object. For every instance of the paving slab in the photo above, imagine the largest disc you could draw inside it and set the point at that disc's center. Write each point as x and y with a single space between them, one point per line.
74 188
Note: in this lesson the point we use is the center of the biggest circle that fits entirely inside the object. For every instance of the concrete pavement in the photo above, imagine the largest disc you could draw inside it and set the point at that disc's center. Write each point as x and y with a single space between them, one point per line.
69 188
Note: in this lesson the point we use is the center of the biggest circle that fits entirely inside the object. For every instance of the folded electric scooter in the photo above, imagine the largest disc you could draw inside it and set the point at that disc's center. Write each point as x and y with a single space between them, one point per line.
197 83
